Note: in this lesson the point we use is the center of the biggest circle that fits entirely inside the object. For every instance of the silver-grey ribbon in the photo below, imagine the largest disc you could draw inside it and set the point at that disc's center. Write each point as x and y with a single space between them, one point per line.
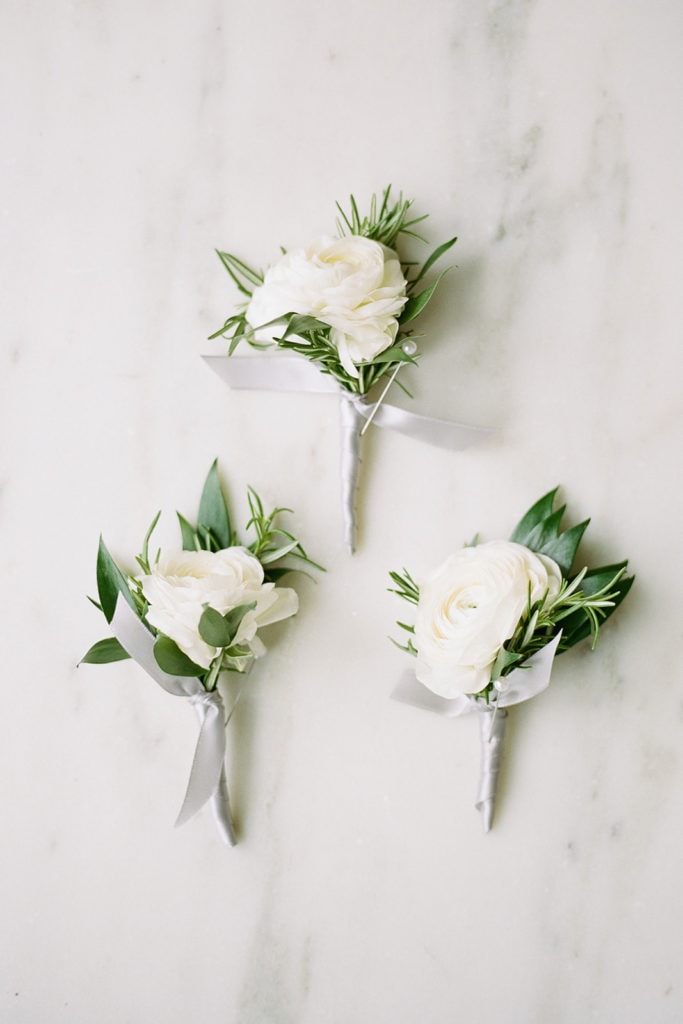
522 684
207 781
492 731
278 372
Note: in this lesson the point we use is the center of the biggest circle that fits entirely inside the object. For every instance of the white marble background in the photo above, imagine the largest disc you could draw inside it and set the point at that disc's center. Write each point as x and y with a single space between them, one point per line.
135 139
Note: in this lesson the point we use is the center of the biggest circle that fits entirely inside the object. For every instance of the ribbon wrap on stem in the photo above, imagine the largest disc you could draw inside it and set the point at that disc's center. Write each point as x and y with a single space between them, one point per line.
207 781
492 730
278 372
522 684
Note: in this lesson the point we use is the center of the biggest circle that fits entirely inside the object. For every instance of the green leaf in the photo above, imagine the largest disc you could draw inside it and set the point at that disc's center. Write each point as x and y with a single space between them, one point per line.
240 272
220 630
431 260
394 354
273 575
535 515
417 303
266 557
563 548
300 324
171 659
504 662
110 583
104 651
546 531
213 511
214 630
188 534
234 617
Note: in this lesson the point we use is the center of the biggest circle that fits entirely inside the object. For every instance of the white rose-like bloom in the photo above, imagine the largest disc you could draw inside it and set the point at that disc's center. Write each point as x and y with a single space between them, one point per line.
183 582
470 606
353 284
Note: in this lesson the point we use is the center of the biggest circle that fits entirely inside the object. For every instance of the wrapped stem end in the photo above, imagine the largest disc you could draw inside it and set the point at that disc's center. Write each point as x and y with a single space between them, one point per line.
492 723
351 422
223 813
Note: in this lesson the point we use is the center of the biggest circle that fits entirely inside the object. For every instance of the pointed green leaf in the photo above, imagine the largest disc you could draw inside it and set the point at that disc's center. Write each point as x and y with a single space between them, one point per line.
103 652
240 272
431 260
530 519
417 303
188 534
546 531
266 557
301 325
395 354
562 549
503 663
110 583
213 511
171 659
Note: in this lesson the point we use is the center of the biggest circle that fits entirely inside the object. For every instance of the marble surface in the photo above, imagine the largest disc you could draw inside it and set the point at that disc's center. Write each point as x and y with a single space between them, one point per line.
138 137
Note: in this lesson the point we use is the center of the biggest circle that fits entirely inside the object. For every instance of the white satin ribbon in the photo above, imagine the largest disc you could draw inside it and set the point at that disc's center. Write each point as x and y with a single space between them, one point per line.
522 684
296 373
207 775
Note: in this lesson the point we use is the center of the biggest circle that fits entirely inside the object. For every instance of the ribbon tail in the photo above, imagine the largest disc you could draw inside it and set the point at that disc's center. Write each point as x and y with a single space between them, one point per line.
441 433
207 764
492 730
351 422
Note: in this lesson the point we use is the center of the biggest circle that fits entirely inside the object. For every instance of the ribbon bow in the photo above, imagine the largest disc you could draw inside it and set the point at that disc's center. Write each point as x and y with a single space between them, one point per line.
207 779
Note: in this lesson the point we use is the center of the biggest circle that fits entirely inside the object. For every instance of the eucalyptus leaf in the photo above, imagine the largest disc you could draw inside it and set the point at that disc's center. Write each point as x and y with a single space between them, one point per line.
214 630
172 660
213 511
233 618
104 651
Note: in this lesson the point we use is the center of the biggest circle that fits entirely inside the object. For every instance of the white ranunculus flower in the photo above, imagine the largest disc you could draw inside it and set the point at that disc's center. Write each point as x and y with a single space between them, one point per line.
353 284
470 606
182 583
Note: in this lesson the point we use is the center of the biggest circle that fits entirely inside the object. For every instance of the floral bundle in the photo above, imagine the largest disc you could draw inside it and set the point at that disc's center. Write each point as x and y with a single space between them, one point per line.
347 305
491 618
344 302
191 614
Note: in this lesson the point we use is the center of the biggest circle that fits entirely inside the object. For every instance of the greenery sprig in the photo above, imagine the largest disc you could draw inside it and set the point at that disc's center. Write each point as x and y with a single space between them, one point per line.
387 220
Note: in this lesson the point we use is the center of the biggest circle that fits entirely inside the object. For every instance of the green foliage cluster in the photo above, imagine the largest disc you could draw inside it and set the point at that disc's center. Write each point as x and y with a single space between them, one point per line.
585 600
273 546
385 223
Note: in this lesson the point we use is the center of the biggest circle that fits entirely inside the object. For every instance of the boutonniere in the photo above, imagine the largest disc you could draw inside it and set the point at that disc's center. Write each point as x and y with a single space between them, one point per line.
342 313
190 614
490 620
